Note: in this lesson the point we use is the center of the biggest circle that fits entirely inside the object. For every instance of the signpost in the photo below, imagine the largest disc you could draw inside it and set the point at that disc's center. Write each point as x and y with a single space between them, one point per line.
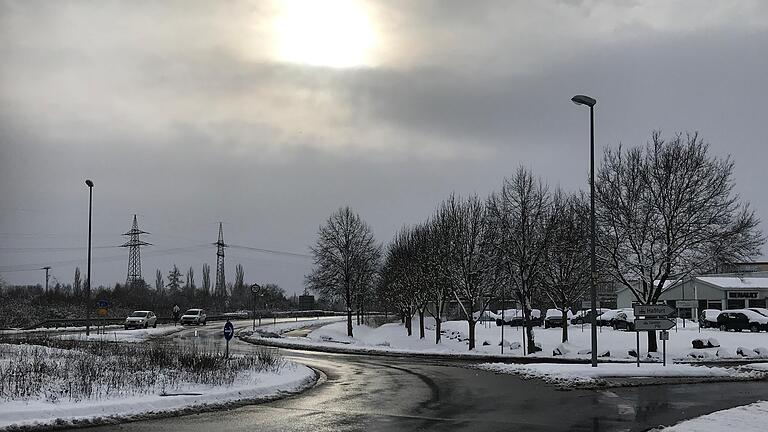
686 304
255 290
664 336
654 317
102 311
229 331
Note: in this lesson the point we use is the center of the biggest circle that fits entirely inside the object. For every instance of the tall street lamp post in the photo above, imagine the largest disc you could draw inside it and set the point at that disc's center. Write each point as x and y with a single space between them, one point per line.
590 102
88 280
255 289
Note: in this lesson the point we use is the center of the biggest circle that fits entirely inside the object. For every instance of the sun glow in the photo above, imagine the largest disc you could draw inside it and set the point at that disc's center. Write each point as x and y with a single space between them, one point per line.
330 33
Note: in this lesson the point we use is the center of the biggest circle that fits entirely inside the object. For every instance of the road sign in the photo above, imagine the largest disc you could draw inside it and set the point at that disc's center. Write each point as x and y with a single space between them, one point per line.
660 310
255 288
229 330
102 304
586 304
102 311
664 335
653 324
687 304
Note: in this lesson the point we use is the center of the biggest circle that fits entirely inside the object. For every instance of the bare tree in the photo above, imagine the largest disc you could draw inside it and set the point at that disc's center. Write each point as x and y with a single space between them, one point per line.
668 210
470 271
345 256
207 278
190 279
239 277
77 284
566 268
159 281
519 219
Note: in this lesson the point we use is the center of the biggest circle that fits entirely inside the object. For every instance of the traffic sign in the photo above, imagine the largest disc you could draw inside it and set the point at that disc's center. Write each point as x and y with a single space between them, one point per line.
102 311
660 310
102 304
255 288
687 304
664 335
653 324
229 330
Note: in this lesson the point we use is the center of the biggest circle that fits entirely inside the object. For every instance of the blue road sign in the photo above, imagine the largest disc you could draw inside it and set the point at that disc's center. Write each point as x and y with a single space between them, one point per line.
229 330
102 304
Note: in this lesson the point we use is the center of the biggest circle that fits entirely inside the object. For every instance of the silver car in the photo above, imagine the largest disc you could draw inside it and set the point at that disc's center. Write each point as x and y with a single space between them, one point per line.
193 316
141 319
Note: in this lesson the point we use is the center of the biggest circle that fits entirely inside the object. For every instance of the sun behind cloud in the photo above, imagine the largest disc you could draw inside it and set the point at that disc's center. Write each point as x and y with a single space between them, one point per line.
328 33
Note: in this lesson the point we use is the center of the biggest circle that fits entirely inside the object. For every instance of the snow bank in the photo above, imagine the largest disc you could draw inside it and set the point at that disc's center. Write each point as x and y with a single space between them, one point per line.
253 386
574 374
747 418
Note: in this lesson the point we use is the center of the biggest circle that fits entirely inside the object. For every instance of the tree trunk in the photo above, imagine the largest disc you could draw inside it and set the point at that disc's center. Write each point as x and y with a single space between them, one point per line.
349 322
531 343
438 325
565 325
409 325
653 346
421 323
471 323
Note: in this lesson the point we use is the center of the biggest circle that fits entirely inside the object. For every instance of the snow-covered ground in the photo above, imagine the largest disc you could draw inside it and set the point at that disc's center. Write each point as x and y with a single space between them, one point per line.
576 374
46 403
747 418
119 334
291 324
393 337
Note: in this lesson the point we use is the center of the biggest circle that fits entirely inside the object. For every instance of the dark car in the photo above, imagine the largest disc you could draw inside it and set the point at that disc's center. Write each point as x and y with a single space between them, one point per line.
585 316
742 319
554 318
515 318
624 320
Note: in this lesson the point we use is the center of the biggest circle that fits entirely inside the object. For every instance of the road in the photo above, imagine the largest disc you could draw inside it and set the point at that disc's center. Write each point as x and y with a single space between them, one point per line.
358 392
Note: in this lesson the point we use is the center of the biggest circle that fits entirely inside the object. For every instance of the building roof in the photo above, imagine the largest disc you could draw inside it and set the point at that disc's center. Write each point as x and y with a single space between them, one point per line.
734 282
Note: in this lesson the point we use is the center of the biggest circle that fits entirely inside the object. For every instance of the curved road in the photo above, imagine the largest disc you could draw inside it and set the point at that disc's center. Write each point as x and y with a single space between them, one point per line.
369 393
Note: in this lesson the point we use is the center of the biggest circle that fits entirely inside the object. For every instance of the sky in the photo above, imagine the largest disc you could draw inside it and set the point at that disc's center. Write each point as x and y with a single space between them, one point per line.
268 116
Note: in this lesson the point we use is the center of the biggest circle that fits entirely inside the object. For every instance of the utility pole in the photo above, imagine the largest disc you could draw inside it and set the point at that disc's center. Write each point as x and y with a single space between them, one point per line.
46 268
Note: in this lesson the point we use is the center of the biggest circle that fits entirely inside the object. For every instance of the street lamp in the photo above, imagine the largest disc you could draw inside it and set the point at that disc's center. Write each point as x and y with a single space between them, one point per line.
590 102
255 289
89 183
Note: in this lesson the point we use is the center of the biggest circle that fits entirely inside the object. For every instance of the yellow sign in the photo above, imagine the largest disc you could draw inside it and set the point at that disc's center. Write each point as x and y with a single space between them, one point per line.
102 311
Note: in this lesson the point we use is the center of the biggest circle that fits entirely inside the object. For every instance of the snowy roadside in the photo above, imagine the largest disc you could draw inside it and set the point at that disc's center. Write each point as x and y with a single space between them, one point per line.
119 334
584 375
747 418
615 346
123 388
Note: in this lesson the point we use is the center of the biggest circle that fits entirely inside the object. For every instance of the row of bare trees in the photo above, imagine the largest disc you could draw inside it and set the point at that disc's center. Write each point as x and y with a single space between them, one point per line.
665 210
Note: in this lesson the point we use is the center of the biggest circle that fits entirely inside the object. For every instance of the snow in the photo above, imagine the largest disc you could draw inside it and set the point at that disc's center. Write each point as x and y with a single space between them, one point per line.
249 385
747 418
573 374
392 337
253 386
122 335
735 282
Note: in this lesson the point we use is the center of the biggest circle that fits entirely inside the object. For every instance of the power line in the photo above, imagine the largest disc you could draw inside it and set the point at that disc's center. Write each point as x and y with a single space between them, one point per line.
271 251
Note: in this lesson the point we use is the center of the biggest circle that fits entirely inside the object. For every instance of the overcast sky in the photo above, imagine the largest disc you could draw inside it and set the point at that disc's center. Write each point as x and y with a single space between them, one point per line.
268 116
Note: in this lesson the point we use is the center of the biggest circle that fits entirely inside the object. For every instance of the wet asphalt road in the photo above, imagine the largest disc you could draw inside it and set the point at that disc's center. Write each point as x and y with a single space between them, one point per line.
367 393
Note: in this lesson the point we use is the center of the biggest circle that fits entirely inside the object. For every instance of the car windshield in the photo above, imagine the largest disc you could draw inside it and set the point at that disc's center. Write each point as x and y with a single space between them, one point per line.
760 312
139 314
192 312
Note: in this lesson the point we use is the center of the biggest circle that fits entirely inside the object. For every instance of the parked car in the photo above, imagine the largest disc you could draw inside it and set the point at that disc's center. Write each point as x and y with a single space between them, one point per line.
742 319
141 319
606 318
708 318
761 311
514 317
554 318
193 316
486 316
624 320
585 316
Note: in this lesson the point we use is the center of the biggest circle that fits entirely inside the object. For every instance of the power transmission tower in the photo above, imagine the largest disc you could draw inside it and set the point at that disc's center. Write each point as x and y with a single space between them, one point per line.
134 245
221 289
46 268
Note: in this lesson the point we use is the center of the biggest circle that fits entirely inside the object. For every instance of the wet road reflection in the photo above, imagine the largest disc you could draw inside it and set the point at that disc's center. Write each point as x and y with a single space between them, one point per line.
399 394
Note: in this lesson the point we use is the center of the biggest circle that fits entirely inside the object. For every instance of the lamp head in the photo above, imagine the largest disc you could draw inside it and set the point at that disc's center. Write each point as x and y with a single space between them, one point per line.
584 100
89 182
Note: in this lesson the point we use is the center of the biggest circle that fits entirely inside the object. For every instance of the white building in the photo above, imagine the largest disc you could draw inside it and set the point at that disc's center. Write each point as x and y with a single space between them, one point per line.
714 291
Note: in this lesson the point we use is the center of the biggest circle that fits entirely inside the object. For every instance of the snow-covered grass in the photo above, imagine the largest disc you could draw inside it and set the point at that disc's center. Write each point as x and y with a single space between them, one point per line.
286 326
393 337
576 374
70 380
119 334
747 418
